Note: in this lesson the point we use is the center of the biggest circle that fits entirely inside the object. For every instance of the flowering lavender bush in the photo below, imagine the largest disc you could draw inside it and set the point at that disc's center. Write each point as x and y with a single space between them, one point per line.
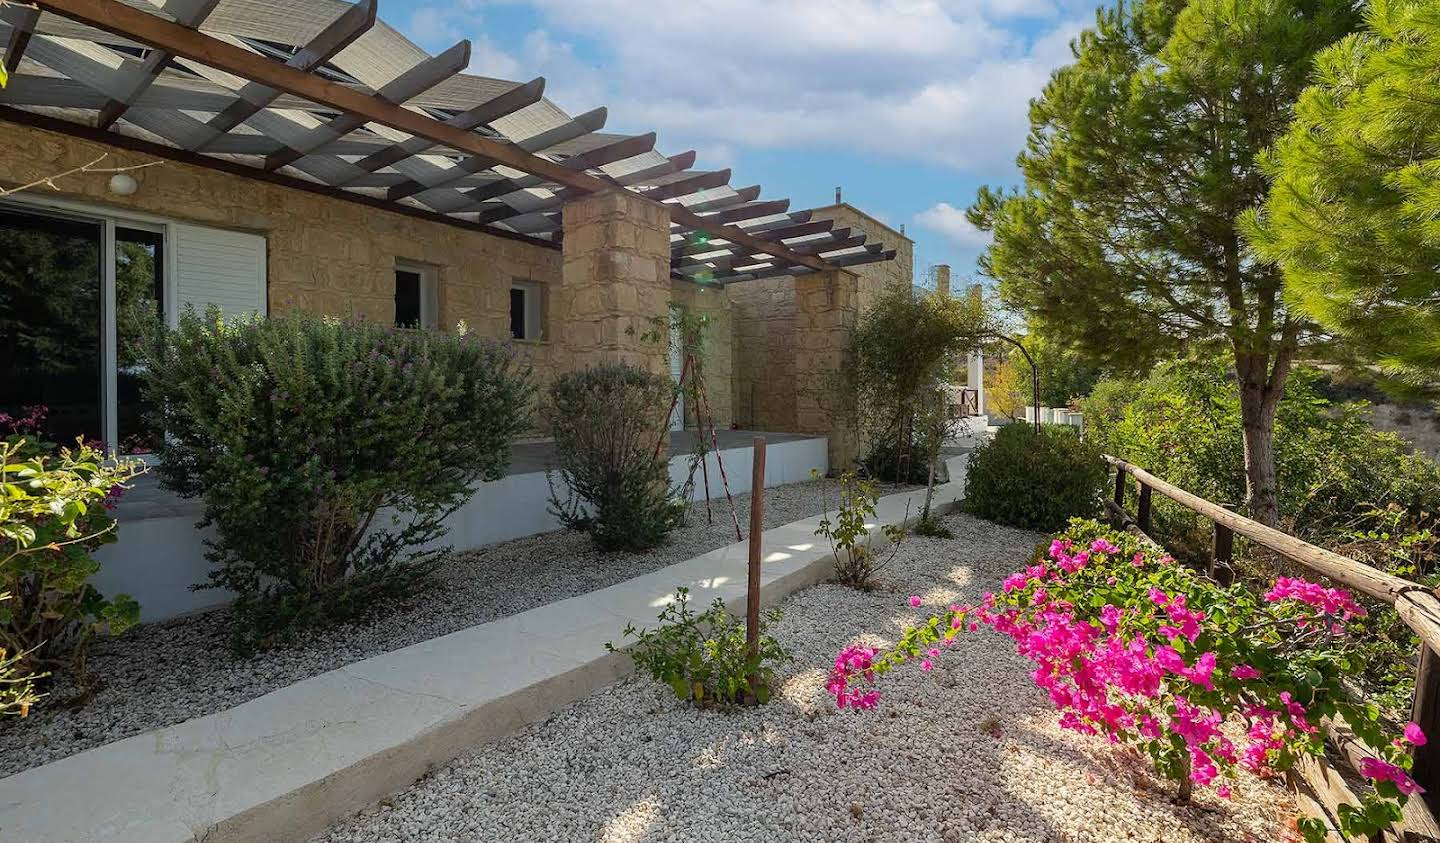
1134 647
328 452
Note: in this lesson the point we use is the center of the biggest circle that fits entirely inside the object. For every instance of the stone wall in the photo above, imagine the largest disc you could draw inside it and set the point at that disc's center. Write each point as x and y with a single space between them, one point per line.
324 255
614 296
827 305
719 351
763 315
874 277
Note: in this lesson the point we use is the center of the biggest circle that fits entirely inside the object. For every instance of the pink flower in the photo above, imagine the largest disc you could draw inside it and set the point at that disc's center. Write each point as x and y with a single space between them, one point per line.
1384 771
915 600
1244 671
1158 597
1330 602
1103 546
1223 791
1414 734
926 664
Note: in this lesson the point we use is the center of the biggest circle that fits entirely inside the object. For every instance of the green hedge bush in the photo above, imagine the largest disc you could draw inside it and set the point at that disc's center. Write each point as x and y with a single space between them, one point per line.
606 421
328 452
1038 481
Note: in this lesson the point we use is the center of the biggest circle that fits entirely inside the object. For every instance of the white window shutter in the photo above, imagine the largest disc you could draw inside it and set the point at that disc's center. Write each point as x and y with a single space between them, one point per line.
219 267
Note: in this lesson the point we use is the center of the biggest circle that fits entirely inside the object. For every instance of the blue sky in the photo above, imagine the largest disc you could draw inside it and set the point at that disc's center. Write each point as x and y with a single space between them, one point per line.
910 105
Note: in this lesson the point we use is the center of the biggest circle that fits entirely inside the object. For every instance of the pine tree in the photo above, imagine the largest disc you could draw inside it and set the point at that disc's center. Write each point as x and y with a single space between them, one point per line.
1353 218
1142 155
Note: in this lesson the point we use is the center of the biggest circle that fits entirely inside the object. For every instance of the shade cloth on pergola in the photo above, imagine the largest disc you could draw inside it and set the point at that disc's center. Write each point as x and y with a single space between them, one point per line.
322 96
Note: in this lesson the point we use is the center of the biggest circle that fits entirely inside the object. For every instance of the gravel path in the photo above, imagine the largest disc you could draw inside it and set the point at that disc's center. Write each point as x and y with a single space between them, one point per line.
164 673
967 752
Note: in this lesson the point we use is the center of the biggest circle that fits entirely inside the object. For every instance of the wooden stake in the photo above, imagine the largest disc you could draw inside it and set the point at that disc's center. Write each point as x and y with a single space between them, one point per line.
1426 714
752 582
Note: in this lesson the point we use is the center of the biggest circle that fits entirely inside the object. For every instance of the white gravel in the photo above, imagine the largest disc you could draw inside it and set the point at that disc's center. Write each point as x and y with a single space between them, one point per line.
164 673
631 764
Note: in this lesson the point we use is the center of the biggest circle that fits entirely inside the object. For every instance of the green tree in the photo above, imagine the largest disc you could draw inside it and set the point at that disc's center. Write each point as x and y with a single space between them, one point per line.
1351 218
1142 156
1064 373
903 348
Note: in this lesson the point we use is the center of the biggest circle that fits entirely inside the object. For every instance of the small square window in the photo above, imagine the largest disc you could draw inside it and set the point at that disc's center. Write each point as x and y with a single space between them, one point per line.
416 297
526 310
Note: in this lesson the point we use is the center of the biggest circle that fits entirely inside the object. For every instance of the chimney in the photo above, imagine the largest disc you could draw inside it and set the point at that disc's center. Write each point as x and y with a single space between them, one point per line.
942 279
837 195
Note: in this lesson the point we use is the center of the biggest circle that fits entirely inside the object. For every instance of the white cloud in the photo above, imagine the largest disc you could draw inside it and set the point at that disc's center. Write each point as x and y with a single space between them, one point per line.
949 222
940 81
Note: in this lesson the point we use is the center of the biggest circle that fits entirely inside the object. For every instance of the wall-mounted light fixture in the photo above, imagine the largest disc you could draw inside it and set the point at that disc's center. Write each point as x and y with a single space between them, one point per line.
123 184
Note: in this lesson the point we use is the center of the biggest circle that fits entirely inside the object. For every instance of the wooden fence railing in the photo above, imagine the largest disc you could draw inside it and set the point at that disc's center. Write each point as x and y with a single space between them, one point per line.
1416 605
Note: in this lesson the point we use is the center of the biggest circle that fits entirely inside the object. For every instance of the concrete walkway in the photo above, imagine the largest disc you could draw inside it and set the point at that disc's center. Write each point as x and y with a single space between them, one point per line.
285 765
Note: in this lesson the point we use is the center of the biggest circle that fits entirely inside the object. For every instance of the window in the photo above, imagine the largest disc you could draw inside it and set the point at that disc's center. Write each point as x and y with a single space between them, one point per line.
527 309
416 296
76 291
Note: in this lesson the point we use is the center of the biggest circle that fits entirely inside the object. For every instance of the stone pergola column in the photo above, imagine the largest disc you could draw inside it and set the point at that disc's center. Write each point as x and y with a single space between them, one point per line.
614 293
826 307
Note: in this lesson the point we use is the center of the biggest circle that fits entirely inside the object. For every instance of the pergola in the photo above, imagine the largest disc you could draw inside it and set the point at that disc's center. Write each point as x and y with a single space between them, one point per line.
321 96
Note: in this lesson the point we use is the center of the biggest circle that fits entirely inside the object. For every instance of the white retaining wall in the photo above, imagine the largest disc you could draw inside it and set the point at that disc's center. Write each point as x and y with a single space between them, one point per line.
159 556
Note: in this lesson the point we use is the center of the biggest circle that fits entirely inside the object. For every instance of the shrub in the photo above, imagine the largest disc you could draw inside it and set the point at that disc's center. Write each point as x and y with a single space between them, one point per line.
703 658
328 453
1131 646
1035 481
607 421
856 562
54 512
17 684
1341 484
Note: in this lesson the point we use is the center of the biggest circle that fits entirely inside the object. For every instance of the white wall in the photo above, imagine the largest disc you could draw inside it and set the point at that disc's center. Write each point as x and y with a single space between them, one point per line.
158 557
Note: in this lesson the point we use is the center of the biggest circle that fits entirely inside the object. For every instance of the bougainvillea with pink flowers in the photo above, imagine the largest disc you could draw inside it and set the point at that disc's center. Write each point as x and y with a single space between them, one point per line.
1209 681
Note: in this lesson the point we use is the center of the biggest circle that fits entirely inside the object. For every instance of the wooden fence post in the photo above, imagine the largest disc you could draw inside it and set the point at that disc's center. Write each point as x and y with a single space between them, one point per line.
1224 551
752 579
1142 516
1426 714
1119 487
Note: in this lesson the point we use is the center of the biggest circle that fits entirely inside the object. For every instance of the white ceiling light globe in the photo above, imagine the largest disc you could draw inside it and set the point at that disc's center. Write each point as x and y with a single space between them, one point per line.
123 184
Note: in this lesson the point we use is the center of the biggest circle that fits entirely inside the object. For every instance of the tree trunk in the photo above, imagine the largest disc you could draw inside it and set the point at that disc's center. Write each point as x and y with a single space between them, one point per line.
1257 414
1262 383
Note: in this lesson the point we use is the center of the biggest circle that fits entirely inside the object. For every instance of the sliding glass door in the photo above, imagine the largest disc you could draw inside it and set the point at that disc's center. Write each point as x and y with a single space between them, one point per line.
51 322
75 294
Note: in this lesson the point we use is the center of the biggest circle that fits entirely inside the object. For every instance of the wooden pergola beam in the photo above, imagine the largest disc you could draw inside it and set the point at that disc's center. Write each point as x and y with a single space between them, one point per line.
590 121
728 253
742 196
341 33
593 159
754 210
22 21
688 185
513 100
700 242
226 165
425 75
189 13
137 25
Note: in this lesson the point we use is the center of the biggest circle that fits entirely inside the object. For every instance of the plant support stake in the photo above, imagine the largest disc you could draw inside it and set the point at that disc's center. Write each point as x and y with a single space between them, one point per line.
752 578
